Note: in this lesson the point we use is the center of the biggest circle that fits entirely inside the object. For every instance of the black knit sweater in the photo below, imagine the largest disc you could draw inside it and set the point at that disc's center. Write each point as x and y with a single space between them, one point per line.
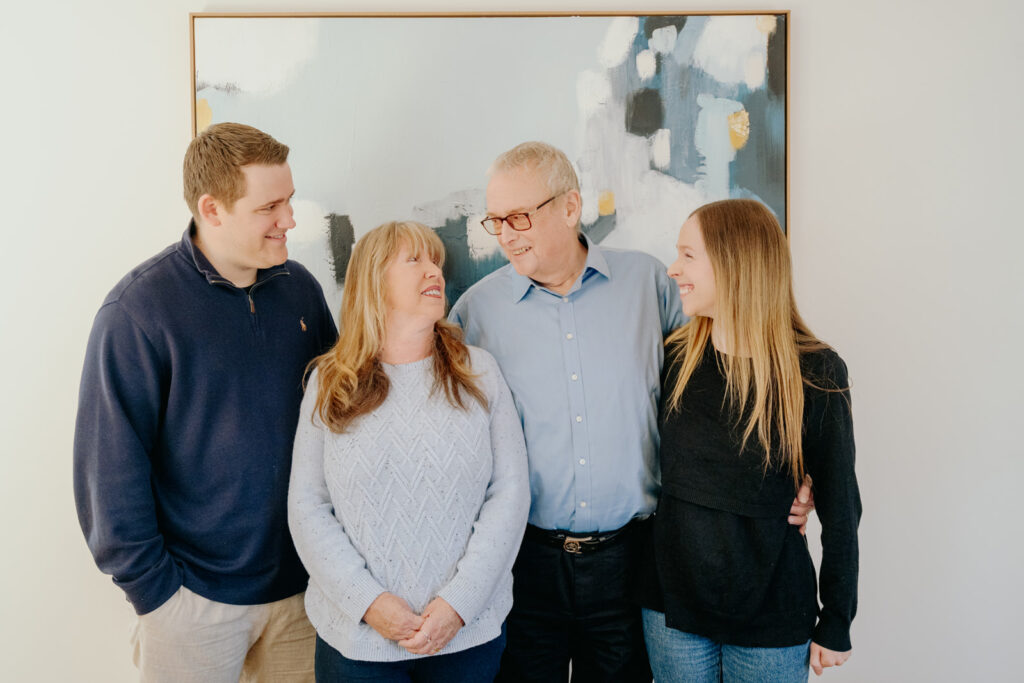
728 564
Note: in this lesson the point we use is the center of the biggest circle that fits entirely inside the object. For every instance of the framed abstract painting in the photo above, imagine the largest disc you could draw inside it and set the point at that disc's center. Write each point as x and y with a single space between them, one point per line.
399 116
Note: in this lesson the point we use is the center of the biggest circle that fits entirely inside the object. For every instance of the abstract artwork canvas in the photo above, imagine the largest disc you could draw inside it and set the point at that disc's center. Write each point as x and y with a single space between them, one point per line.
398 117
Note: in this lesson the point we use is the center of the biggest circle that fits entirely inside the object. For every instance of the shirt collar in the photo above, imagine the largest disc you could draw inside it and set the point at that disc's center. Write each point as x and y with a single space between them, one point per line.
203 265
520 284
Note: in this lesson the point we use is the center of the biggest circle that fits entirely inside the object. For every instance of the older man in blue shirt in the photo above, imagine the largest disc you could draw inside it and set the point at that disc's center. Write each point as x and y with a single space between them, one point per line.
578 332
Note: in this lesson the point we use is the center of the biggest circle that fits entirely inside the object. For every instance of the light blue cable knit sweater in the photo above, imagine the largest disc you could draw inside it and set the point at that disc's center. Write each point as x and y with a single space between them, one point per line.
419 499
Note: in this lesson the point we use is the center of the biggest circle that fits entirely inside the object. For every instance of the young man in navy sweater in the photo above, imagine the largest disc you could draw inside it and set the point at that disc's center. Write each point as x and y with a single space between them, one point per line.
188 405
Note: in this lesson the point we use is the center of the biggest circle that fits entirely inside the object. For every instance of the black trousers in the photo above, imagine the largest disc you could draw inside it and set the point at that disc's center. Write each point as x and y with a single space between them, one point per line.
576 608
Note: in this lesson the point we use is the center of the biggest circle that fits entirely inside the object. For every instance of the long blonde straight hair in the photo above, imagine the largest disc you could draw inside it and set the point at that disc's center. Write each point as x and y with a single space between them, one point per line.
756 314
352 381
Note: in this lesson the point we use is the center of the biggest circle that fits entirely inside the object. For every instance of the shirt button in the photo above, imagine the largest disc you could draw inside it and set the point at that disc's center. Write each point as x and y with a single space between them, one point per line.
575 377
565 299
583 461
569 336
579 418
583 504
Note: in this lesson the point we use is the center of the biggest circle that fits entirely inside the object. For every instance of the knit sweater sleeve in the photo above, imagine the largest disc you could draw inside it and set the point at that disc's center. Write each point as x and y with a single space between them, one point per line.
829 457
320 539
500 524
119 412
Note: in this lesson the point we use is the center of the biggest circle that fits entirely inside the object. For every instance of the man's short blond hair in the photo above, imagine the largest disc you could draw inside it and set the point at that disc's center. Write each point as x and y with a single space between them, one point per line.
548 160
214 161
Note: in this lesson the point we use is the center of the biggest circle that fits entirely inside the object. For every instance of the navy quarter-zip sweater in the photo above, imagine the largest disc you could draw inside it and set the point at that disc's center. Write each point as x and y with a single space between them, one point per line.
187 410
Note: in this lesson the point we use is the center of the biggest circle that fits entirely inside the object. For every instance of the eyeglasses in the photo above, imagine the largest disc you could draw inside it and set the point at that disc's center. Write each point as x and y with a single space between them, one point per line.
516 221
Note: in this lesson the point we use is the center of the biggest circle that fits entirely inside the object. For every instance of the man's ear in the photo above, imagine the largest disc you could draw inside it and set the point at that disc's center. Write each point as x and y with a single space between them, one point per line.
209 209
573 207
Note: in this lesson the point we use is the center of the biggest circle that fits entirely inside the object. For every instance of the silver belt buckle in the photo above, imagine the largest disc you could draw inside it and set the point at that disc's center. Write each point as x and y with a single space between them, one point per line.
571 544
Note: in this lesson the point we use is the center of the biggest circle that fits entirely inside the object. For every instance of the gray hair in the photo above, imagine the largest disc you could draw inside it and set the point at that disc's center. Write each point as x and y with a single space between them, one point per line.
550 161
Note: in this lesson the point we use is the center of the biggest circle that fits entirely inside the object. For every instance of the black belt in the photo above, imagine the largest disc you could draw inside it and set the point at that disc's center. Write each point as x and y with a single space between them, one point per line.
576 543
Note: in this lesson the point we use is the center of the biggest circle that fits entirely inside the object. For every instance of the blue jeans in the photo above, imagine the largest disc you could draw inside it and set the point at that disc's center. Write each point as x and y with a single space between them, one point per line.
475 665
680 656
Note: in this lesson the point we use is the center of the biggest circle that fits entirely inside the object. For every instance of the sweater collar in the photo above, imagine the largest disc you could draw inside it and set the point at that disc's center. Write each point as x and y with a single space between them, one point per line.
197 258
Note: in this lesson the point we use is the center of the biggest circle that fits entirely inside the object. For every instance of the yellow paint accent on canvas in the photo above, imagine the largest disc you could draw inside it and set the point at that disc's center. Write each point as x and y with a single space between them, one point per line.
204 115
766 24
739 129
606 203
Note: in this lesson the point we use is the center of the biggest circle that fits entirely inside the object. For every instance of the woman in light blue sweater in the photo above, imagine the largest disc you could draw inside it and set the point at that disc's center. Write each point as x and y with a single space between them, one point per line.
409 489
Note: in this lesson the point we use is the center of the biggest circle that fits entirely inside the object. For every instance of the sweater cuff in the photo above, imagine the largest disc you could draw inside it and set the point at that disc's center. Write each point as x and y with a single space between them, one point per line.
466 599
833 633
360 594
154 587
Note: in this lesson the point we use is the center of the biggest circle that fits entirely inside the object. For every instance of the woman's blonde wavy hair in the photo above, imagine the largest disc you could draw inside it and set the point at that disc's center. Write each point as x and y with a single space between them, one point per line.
757 314
352 381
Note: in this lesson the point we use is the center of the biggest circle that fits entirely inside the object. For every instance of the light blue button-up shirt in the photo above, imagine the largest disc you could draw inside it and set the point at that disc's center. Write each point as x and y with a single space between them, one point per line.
585 373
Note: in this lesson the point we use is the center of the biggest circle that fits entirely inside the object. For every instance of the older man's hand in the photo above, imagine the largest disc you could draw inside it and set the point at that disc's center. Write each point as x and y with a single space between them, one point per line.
391 616
822 658
802 505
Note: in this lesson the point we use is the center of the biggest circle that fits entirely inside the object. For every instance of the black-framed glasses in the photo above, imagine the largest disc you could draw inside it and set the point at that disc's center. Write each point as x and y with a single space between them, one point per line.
516 221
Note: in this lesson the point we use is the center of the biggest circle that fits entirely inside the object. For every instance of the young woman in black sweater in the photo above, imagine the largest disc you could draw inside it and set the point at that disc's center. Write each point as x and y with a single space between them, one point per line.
752 402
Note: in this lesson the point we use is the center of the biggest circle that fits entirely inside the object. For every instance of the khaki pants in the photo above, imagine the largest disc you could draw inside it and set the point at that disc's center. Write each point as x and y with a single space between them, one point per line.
190 638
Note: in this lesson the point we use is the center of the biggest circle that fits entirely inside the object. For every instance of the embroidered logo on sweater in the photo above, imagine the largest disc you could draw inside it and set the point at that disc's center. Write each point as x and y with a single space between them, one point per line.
302 324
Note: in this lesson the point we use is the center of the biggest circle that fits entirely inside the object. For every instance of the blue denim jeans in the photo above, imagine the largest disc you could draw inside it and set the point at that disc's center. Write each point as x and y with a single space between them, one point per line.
475 665
680 656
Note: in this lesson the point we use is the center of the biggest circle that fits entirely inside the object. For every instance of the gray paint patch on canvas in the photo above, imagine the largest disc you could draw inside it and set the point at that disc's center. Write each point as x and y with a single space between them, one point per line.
653 23
461 268
777 59
644 112
341 237
683 86
600 228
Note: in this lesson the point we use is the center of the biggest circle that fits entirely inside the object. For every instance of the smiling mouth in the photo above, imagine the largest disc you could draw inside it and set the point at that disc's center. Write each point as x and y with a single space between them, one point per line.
520 251
280 238
433 292
685 289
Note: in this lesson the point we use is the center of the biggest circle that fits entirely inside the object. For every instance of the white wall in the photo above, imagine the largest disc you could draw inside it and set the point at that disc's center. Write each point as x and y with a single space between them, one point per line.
906 161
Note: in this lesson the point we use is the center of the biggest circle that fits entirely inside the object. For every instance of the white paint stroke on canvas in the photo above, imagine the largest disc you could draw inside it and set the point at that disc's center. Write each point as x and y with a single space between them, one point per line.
241 55
734 50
